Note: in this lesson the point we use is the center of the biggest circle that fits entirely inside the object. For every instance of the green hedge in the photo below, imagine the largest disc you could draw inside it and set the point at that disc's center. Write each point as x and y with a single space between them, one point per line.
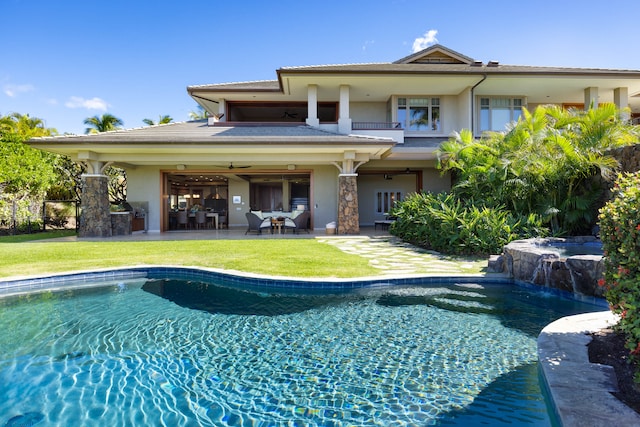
444 223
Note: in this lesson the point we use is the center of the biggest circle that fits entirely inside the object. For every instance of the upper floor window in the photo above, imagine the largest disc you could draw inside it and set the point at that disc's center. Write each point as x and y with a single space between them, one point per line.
497 113
419 114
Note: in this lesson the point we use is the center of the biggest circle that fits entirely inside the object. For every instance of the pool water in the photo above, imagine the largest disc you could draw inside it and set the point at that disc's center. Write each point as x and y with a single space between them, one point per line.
179 353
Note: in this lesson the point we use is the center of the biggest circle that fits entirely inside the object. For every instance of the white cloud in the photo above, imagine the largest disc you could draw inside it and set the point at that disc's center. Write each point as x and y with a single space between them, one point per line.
425 41
94 103
367 43
14 90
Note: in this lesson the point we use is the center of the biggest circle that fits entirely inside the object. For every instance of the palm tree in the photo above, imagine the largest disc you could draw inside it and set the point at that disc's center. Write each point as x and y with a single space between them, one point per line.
545 163
161 120
102 124
199 114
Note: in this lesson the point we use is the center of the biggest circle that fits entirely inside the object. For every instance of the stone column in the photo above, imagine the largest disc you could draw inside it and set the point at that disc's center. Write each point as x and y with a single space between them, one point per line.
348 214
95 218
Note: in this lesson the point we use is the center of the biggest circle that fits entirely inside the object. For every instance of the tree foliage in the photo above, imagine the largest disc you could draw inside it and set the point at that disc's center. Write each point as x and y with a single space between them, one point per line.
547 163
24 171
199 114
161 120
105 123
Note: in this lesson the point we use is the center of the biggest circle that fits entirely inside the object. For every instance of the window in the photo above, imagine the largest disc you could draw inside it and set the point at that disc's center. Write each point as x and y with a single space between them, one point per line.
385 200
419 114
497 113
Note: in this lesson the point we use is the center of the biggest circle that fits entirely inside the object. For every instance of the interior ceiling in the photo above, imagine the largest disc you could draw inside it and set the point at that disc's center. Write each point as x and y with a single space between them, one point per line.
206 180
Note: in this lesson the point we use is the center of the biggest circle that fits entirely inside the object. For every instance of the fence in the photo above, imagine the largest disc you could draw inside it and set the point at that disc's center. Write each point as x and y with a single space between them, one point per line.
22 216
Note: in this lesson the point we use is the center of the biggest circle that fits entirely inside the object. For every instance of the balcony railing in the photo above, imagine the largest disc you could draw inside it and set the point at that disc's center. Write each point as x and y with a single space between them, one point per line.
376 126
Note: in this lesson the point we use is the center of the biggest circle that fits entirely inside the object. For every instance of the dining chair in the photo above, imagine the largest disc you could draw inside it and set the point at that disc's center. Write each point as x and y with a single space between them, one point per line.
201 219
183 219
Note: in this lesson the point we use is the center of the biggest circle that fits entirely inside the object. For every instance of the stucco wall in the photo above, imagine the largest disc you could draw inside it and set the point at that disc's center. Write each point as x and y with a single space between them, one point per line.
143 185
324 195
368 111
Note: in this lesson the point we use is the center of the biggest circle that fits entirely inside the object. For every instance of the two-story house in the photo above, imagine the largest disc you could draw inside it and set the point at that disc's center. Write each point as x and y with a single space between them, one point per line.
342 141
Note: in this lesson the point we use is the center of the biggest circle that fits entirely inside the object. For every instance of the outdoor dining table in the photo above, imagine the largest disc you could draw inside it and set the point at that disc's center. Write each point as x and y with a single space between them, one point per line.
213 216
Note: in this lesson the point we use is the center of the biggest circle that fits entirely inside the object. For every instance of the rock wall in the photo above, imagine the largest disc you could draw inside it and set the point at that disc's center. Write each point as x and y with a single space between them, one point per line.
348 214
95 219
529 261
629 157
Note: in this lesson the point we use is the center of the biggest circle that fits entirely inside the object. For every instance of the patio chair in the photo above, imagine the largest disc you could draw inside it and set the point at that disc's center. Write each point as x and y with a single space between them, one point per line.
301 222
256 223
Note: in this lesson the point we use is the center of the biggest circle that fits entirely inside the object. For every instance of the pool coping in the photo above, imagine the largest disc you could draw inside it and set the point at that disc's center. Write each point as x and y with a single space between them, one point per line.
580 391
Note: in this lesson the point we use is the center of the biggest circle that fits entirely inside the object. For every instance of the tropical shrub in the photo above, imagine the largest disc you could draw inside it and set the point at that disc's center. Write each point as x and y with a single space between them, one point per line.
620 235
444 223
547 163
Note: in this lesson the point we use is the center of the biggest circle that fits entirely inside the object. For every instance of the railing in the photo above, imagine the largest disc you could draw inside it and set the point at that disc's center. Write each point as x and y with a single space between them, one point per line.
376 125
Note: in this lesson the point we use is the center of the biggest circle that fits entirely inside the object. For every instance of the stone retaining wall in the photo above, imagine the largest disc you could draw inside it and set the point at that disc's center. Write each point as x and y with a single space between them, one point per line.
530 261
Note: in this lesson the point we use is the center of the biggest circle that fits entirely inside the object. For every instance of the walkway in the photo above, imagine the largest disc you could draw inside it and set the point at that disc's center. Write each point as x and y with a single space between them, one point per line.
395 257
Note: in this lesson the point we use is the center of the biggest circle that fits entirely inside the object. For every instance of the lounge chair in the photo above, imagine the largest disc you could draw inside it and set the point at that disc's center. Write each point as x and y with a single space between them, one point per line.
301 222
256 223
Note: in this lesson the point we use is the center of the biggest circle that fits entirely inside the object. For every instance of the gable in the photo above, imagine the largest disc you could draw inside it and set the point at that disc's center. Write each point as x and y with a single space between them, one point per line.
436 54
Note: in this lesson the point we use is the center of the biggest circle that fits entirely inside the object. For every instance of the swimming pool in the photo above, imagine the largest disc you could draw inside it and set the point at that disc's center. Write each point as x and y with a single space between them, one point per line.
167 351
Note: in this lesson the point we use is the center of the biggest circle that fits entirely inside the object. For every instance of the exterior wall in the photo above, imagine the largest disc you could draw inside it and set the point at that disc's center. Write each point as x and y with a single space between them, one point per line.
368 111
143 185
463 111
449 114
237 211
369 185
324 195
435 182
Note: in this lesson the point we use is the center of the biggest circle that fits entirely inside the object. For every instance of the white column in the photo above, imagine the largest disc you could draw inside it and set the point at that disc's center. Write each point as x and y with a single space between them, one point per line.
590 97
221 108
621 99
312 106
344 121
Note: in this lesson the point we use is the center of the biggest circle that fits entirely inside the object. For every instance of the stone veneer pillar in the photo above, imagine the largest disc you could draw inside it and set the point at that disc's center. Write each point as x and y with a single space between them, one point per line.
95 218
348 215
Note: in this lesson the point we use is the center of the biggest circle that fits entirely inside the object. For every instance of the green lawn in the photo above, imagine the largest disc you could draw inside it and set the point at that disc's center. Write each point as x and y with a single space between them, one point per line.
295 258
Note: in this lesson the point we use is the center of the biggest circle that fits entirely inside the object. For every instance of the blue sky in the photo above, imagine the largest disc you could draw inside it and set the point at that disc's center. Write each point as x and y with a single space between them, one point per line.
64 61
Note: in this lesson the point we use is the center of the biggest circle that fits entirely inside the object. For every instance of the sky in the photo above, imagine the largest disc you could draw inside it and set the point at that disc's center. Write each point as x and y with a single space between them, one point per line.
65 61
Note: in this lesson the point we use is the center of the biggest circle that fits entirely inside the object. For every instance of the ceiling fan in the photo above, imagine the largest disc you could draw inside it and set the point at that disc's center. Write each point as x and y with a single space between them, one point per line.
230 167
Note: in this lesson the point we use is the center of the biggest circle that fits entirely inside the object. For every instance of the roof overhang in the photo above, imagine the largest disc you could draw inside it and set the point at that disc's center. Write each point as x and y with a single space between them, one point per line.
194 143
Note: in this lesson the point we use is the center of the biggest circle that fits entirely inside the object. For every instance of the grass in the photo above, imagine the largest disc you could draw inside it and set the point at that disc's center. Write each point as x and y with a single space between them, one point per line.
295 258
36 236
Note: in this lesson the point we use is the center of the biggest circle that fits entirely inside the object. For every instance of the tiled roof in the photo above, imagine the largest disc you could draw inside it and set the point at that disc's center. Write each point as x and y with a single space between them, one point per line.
454 69
198 132
261 85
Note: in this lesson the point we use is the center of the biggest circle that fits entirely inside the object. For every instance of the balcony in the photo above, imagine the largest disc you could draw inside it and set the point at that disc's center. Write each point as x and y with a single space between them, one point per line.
376 125
391 130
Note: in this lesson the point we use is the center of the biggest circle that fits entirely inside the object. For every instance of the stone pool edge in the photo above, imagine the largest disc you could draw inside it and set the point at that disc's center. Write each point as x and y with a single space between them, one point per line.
580 391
